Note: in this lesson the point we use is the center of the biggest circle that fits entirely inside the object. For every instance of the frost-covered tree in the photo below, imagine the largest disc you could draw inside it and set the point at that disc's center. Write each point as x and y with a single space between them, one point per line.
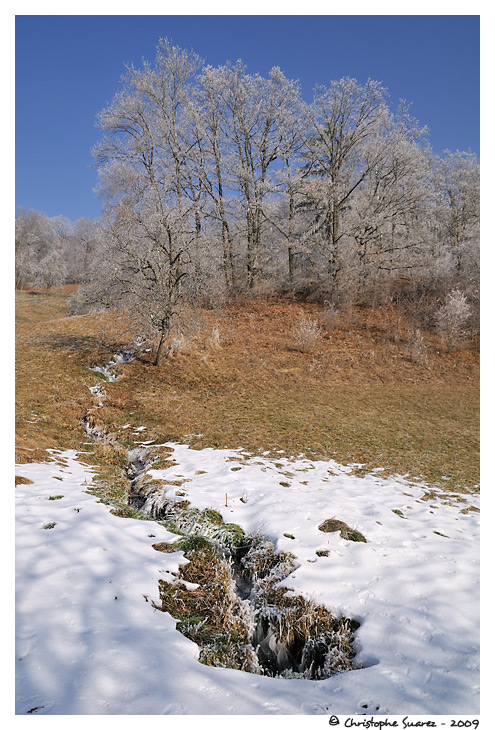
457 176
386 212
259 119
52 251
38 251
82 248
367 189
208 151
344 145
150 205
289 181
215 180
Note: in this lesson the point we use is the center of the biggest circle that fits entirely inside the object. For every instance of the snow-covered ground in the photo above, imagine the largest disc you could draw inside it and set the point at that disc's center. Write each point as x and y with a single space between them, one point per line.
88 640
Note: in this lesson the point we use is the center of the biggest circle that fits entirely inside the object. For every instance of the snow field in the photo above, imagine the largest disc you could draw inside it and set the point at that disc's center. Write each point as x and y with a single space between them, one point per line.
88 640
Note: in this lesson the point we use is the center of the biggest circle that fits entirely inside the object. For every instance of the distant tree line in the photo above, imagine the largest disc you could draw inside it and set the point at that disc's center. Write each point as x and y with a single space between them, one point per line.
53 251
217 183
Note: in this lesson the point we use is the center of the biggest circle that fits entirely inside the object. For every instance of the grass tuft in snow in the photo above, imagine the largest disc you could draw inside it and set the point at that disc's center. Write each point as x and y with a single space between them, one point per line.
22 480
346 532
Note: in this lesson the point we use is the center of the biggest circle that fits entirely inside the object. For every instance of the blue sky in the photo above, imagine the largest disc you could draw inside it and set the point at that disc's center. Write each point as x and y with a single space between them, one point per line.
67 68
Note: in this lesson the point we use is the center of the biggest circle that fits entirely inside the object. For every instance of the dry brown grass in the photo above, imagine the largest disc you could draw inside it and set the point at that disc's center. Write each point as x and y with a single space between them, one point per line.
358 396
53 354
346 532
213 601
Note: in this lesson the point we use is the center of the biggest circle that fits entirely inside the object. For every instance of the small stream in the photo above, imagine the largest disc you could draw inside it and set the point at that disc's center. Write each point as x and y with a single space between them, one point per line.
285 634
106 370
290 636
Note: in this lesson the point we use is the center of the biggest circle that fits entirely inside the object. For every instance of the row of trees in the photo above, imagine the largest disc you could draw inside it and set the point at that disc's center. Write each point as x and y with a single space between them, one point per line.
53 251
215 181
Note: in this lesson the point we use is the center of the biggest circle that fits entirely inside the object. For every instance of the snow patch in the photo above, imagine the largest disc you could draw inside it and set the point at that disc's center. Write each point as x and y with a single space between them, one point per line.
85 592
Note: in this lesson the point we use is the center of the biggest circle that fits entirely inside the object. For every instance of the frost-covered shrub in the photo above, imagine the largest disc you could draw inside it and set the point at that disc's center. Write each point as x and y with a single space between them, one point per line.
176 344
330 316
452 318
213 599
214 340
306 333
416 344
296 637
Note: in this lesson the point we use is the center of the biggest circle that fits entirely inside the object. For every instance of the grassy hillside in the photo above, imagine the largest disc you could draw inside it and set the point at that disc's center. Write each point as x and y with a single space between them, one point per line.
359 396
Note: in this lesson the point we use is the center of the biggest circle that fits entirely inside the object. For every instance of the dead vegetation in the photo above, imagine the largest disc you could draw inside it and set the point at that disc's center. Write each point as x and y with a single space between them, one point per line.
269 630
364 394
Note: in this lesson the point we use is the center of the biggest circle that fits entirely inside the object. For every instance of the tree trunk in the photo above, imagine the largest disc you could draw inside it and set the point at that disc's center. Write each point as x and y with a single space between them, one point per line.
291 263
162 348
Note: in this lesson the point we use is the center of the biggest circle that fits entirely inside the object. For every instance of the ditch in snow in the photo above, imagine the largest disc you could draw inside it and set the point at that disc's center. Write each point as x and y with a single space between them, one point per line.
228 598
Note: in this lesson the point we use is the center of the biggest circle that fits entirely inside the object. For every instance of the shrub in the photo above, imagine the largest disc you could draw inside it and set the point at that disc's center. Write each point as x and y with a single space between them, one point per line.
306 333
176 344
416 345
214 339
331 315
452 318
